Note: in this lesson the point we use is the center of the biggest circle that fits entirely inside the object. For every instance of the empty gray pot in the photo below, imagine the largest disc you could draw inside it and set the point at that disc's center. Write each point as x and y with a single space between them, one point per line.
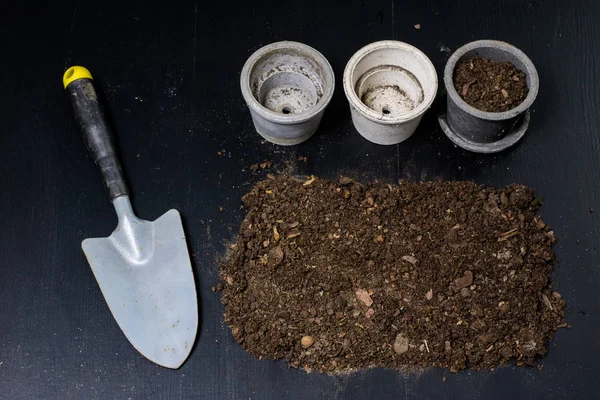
389 85
287 86
481 131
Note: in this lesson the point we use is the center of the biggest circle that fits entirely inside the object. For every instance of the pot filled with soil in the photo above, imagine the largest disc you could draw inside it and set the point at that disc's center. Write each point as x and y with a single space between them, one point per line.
287 86
389 86
490 86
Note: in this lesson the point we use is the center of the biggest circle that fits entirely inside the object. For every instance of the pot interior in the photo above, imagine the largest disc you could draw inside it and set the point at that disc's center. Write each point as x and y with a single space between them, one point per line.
288 81
392 81
496 54
389 90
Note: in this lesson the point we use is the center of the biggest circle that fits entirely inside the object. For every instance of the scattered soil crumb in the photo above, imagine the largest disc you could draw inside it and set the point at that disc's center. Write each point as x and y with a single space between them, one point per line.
218 288
490 85
443 48
260 166
417 26
303 159
221 152
308 283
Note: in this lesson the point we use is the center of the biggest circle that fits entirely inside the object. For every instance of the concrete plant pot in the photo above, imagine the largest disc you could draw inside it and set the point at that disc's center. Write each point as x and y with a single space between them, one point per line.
389 86
481 131
287 86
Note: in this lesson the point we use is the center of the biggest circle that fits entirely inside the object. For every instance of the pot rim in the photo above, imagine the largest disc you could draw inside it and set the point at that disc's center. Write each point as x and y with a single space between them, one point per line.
367 112
531 72
286 119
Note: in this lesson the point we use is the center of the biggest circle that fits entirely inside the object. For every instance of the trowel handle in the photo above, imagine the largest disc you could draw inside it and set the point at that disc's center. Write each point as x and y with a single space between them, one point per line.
95 131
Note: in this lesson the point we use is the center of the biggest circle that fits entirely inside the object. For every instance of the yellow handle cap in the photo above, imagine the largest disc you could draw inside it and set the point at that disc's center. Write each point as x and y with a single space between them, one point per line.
74 73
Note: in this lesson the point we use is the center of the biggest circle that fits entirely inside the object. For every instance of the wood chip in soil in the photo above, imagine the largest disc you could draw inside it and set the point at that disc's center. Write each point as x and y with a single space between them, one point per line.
409 276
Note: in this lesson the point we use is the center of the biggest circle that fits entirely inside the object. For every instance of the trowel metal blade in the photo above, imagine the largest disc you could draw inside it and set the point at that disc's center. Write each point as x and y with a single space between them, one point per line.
145 275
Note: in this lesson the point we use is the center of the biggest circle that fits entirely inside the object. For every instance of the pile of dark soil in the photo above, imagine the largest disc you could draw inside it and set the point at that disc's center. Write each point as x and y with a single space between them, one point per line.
334 276
490 85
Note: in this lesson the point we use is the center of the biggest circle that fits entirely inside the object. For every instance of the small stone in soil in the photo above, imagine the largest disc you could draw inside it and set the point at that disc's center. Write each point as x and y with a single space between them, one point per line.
275 256
401 344
410 259
364 296
429 294
306 341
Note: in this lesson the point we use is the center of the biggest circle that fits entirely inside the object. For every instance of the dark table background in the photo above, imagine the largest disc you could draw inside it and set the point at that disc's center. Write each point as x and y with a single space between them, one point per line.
170 73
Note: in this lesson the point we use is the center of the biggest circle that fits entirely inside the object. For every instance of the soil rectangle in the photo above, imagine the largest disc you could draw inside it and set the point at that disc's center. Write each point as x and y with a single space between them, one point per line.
338 275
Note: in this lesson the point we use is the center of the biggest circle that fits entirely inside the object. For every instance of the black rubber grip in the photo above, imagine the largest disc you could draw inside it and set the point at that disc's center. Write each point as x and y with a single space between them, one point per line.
97 135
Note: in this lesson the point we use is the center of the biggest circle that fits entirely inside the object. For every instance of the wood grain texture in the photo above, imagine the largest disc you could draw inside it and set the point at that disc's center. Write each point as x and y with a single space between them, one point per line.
170 74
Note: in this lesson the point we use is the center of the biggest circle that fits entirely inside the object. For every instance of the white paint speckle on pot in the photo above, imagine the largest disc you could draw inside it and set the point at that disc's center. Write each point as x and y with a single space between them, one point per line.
287 86
389 85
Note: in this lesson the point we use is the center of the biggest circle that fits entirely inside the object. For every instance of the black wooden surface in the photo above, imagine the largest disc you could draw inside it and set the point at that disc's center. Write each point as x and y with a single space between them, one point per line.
170 74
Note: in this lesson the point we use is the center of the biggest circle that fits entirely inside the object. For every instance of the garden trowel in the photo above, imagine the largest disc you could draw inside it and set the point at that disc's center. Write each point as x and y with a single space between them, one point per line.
143 268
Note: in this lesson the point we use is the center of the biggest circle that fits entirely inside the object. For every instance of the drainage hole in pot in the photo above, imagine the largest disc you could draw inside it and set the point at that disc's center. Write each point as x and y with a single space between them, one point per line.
386 110
286 110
